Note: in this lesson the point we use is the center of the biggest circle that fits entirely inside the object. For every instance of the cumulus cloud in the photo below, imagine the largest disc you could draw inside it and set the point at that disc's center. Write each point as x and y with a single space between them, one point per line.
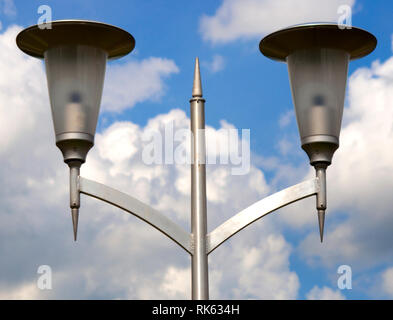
216 64
116 256
9 8
386 283
256 267
244 19
136 81
176 283
324 293
286 118
22 292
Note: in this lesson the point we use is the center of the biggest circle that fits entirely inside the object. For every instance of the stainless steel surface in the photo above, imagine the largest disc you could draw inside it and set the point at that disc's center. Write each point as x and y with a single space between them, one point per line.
259 209
113 40
75 218
75 77
320 152
138 209
321 197
318 80
74 146
200 283
321 222
75 80
75 53
197 84
278 45
317 55
74 194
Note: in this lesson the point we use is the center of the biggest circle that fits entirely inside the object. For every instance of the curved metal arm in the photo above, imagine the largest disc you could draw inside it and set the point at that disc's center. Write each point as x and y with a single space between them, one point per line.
138 209
259 209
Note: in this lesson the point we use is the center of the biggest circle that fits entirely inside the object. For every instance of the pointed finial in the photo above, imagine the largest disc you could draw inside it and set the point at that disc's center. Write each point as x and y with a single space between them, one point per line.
197 87
75 216
321 221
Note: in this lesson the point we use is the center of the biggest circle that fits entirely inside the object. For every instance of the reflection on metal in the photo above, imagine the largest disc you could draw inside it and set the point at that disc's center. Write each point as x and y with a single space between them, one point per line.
321 198
115 41
75 54
74 194
259 209
317 56
138 209
278 45
199 265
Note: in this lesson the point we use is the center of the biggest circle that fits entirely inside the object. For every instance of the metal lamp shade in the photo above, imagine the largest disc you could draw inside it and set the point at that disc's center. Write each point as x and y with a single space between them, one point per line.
75 53
75 80
317 55
318 80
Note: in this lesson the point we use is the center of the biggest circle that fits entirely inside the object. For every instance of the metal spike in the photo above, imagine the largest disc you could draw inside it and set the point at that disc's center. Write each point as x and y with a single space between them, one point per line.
75 217
321 220
197 87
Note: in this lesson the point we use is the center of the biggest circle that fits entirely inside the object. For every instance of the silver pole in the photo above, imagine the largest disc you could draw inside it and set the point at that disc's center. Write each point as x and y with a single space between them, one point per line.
74 193
321 196
200 281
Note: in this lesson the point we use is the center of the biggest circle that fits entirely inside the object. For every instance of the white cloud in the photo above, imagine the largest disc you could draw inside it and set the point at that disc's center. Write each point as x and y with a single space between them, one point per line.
255 266
324 293
9 8
22 292
25 89
135 81
216 64
119 144
286 118
285 146
243 19
387 282
177 283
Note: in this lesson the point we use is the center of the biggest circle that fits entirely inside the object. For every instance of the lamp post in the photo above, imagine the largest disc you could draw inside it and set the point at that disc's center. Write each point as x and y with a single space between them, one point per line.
75 54
317 56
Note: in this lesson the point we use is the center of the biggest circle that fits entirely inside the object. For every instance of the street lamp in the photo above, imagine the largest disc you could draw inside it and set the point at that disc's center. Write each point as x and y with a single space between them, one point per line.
317 56
75 55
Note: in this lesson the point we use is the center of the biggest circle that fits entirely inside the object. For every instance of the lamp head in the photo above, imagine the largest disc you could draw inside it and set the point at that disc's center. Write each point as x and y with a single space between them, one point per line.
75 54
317 55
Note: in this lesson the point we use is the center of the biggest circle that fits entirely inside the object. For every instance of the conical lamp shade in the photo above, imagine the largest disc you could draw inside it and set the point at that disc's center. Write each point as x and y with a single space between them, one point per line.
317 55
318 80
75 80
75 53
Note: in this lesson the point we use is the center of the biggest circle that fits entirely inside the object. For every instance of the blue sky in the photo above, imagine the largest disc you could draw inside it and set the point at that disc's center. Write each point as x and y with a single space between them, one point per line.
279 257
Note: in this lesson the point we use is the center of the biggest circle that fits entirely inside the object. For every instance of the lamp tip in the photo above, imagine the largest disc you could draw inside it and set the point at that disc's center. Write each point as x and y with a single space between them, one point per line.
197 87
75 217
321 221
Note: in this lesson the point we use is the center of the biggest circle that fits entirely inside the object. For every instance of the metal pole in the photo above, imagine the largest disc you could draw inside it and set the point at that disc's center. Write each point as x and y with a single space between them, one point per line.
200 281
321 196
74 194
